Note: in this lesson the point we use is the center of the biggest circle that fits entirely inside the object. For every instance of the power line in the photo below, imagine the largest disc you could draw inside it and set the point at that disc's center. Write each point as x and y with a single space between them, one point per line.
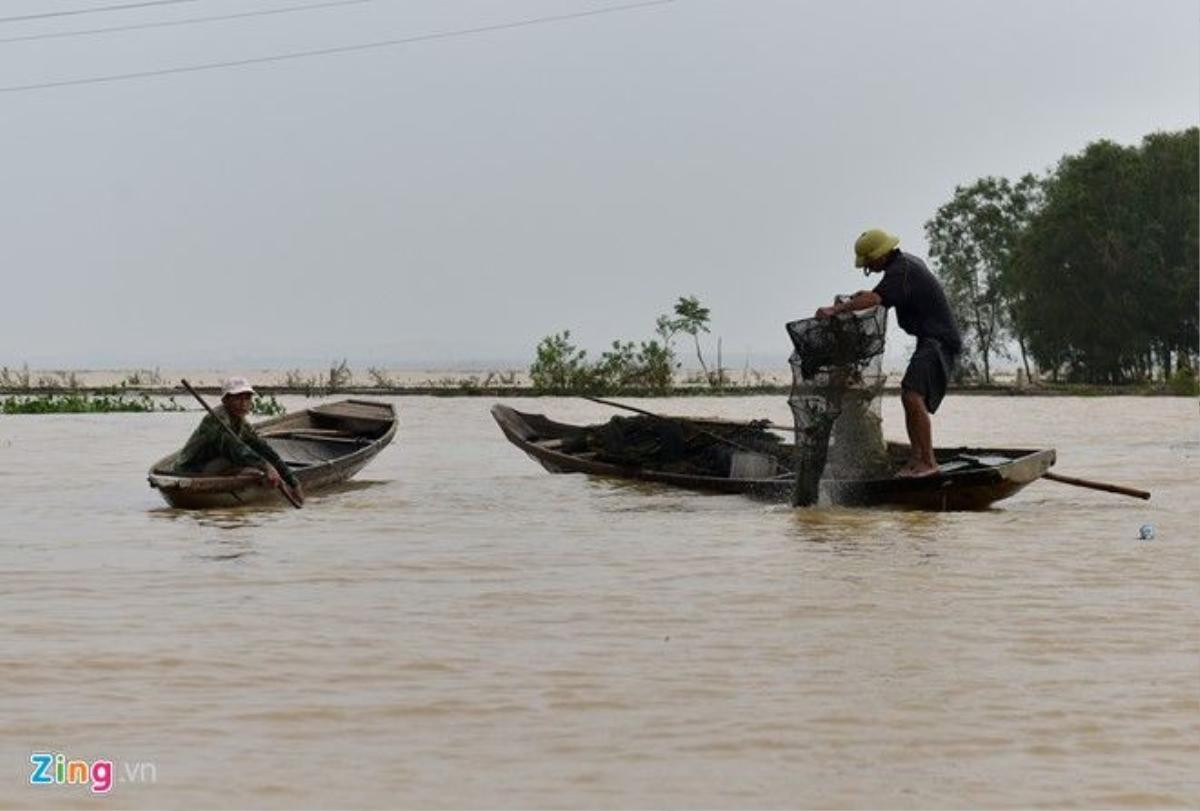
44 15
117 77
188 21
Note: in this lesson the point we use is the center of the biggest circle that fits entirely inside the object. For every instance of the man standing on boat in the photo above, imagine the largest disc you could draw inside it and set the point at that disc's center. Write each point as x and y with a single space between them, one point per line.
212 451
922 311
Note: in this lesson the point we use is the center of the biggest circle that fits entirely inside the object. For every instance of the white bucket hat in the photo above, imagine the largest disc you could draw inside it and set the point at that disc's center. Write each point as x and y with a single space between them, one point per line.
236 385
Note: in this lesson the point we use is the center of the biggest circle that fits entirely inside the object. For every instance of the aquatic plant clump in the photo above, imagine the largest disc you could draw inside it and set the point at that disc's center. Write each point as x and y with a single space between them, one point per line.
267 406
85 404
836 368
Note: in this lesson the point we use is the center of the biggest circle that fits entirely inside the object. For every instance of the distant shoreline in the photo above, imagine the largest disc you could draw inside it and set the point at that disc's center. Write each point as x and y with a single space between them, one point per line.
466 389
341 381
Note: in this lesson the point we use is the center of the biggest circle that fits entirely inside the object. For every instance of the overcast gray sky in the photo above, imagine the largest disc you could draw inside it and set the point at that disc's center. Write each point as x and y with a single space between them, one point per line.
455 199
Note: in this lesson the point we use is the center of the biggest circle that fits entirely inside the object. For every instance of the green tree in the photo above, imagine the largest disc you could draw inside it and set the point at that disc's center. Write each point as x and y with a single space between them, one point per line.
1170 191
971 242
616 368
1107 268
647 365
560 367
656 366
691 318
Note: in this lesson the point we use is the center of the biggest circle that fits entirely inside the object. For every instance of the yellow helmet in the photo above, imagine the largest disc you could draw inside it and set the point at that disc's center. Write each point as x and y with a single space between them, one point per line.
872 245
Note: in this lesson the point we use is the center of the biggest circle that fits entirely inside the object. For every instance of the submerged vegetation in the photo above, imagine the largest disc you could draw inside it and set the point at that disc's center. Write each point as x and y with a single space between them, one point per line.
84 403
267 406
338 378
81 402
23 379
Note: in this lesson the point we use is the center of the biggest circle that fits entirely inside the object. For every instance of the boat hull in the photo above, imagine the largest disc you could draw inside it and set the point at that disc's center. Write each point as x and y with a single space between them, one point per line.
975 488
335 442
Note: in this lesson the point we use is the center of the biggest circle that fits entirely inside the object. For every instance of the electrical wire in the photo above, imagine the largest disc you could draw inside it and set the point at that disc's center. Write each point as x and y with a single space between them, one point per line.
343 49
45 14
189 21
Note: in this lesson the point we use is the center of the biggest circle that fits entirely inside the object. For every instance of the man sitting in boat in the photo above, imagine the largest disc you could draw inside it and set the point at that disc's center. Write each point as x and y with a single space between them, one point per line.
922 311
212 451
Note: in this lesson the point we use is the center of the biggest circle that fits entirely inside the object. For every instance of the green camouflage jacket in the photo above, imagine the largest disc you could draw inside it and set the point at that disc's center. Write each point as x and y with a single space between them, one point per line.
210 441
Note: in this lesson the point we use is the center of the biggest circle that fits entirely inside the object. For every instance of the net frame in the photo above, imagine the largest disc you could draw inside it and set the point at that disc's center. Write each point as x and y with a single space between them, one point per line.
835 362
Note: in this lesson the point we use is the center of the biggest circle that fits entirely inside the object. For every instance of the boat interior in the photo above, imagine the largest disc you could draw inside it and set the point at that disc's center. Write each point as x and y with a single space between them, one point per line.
325 433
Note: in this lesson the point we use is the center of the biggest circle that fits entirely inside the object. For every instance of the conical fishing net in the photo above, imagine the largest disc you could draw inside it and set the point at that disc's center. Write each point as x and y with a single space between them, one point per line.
836 380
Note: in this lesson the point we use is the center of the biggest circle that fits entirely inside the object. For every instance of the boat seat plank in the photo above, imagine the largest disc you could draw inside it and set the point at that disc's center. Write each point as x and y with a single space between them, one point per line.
355 411
985 461
307 451
305 435
323 432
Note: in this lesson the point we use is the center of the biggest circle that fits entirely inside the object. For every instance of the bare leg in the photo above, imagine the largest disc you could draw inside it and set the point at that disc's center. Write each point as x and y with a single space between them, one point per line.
920 436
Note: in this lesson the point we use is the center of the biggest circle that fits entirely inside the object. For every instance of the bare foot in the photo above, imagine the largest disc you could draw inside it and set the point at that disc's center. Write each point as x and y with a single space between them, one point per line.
917 471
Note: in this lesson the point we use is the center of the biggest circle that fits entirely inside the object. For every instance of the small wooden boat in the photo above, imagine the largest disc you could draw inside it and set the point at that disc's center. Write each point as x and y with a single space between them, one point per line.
969 478
324 445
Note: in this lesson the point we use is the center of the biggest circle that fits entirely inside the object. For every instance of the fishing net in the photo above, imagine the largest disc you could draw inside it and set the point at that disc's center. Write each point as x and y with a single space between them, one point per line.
836 381
694 447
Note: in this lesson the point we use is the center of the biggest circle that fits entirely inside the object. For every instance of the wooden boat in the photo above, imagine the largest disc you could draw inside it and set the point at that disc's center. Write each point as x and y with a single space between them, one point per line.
969 478
324 445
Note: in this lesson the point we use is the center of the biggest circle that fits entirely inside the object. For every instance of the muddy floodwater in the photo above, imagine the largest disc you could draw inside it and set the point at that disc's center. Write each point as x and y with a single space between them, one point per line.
459 628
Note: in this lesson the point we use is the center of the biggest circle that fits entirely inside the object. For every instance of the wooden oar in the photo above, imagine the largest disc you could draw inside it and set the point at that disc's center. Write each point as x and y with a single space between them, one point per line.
1107 488
706 432
281 485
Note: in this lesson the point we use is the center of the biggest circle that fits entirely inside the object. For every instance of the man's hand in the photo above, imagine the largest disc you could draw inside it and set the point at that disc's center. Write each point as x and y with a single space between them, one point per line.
859 301
273 479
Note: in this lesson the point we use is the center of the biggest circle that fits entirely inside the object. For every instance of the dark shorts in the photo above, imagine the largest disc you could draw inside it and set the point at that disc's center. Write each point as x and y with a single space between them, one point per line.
928 372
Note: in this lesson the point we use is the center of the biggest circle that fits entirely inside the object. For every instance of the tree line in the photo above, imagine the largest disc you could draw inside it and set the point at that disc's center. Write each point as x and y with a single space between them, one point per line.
1089 273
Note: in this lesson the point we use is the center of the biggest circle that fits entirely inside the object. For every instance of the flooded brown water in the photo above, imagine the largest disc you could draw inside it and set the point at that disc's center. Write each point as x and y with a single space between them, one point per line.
462 629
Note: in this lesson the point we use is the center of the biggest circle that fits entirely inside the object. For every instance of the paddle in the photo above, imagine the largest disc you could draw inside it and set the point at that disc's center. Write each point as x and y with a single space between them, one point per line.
281 485
690 423
1091 485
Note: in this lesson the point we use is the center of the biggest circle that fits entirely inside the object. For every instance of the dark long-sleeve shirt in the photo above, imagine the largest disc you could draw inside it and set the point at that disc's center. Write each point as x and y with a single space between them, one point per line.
210 441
